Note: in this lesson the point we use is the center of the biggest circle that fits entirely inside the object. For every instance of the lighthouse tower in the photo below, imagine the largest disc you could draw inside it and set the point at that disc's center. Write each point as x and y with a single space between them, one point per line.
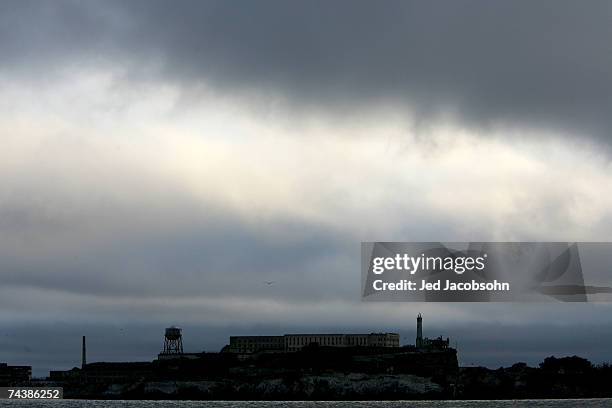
419 337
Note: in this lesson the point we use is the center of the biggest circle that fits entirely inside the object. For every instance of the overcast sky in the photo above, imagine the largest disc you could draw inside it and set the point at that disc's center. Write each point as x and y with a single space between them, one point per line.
160 160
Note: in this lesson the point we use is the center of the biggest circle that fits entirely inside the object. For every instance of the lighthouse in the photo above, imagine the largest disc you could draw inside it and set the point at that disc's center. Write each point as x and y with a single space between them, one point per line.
419 337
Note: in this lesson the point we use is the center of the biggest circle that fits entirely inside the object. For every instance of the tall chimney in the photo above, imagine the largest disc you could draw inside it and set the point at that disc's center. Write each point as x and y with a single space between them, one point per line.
419 338
83 355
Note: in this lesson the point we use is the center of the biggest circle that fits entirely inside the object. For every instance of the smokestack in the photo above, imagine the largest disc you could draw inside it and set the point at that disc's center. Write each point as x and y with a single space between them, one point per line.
83 355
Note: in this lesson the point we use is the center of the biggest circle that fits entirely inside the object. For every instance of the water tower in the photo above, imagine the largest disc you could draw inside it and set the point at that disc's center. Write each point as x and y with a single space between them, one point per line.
173 341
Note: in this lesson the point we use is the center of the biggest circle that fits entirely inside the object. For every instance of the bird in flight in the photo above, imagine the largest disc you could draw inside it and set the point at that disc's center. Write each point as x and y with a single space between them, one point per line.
269 282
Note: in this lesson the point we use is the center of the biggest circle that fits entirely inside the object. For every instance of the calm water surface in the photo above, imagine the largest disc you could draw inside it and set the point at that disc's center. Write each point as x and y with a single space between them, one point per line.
590 403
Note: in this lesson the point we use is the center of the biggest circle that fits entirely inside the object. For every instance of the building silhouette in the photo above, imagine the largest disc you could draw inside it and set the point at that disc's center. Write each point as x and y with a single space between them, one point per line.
295 342
429 344
12 375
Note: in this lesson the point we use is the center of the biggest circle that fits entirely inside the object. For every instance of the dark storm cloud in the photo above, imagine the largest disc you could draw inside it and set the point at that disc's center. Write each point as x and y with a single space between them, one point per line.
547 63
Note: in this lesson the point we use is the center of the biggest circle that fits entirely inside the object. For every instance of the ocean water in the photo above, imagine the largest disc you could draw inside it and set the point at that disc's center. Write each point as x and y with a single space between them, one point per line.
588 403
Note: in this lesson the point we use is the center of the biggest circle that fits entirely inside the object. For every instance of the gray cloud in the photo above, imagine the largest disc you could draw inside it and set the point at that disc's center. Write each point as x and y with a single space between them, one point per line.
544 63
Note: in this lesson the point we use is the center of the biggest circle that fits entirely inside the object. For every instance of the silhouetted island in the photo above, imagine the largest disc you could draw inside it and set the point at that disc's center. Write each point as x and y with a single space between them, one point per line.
321 367
319 373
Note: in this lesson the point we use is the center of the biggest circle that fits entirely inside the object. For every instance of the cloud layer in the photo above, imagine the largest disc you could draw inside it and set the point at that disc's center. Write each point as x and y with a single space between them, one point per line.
547 63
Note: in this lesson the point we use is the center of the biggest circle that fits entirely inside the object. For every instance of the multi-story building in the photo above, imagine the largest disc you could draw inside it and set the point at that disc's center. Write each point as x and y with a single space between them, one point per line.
251 344
14 375
295 342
